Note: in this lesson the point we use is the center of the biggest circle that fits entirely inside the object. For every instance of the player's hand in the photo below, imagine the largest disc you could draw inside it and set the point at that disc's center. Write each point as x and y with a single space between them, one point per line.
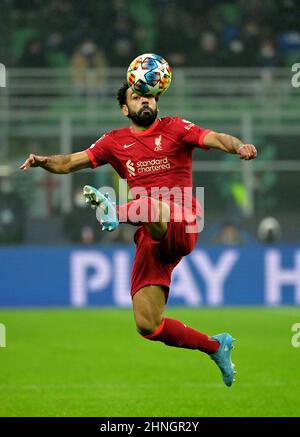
33 161
247 151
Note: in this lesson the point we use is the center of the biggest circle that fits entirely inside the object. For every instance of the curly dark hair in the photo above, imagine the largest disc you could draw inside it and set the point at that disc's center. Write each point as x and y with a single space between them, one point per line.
121 95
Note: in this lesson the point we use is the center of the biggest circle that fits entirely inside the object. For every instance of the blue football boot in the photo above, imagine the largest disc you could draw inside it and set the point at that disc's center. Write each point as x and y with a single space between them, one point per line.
106 212
222 357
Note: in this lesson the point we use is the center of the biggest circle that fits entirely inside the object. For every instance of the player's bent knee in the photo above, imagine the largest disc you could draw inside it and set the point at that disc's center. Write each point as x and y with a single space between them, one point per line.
159 226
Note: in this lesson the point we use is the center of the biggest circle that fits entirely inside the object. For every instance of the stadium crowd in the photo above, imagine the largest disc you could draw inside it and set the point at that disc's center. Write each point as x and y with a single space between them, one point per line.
59 33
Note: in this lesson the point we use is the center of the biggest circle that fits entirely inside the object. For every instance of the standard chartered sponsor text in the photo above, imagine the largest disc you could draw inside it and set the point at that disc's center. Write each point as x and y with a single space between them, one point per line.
153 165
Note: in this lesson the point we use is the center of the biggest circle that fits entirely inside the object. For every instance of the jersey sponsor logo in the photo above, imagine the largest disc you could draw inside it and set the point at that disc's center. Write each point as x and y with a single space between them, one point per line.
147 166
128 145
130 167
153 165
157 143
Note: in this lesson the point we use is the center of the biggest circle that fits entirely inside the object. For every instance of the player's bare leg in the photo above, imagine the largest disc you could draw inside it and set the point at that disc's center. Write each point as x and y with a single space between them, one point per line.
148 307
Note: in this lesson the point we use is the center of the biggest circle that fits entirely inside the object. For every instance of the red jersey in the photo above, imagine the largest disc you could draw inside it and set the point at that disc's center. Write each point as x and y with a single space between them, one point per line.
158 159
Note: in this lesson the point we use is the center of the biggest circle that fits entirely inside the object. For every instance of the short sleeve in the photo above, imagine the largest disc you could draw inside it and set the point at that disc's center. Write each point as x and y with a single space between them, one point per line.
98 152
192 135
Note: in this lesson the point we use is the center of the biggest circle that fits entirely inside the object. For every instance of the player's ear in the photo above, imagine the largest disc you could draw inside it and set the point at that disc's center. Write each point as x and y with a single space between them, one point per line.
124 110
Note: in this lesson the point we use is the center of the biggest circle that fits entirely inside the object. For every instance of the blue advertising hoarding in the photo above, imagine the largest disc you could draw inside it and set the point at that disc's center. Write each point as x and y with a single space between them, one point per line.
99 276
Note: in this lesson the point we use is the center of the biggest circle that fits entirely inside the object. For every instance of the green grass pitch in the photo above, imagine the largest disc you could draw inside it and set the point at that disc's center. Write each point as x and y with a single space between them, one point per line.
91 362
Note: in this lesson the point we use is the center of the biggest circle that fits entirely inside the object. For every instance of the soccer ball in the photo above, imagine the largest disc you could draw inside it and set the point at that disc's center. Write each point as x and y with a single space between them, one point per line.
149 74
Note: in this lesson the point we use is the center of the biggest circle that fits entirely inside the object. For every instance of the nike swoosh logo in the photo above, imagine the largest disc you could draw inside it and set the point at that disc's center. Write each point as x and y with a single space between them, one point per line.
128 145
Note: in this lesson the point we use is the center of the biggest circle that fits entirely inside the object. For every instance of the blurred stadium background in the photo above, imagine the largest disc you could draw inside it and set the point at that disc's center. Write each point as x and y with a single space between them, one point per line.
232 65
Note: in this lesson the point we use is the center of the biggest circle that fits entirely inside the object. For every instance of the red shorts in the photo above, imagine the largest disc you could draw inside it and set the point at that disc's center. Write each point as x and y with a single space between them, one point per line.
155 260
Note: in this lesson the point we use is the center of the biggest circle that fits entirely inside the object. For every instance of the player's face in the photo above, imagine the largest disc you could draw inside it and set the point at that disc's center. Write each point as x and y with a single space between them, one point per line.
142 110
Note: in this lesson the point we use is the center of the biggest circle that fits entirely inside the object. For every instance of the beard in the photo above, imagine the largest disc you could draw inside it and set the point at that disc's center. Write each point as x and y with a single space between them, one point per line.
143 118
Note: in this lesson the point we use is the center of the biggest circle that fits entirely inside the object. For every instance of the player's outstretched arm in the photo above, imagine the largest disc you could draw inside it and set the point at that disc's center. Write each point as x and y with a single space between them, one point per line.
230 144
58 163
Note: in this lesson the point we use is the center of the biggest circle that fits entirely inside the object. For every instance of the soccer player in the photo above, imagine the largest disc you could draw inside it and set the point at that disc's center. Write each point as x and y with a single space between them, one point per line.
154 152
